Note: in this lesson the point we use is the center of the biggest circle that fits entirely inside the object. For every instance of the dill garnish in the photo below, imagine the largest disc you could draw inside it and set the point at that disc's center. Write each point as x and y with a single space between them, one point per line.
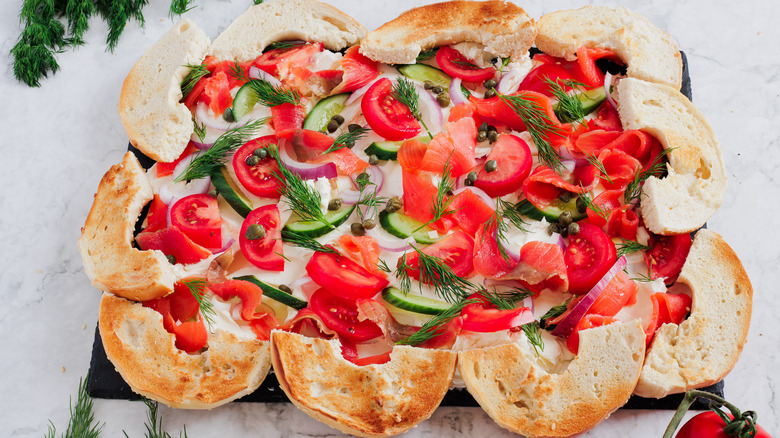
427 54
270 95
539 125
441 202
306 242
569 108
643 278
199 129
630 247
179 7
590 205
196 73
510 212
432 270
197 287
554 312
302 198
43 36
154 424
497 225
434 326
237 72
283 45
382 265
82 420
405 93
599 165
657 168
506 300
534 336
347 138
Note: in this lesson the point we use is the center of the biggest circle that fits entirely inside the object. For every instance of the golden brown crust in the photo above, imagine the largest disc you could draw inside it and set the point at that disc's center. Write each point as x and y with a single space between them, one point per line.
503 28
371 401
106 242
143 352
522 397
705 347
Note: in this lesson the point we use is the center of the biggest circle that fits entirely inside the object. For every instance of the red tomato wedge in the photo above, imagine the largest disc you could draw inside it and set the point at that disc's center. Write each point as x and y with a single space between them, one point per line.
366 249
286 117
453 147
588 257
266 253
341 276
198 217
385 115
587 322
341 315
165 169
358 71
456 65
455 250
667 309
479 318
513 157
667 256
258 179
544 185
619 292
172 242
156 217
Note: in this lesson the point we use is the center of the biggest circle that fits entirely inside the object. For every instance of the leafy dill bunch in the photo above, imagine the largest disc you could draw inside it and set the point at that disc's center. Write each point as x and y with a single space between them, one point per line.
590 205
197 287
405 93
446 284
270 95
599 165
569 108
539 125
442 202
283 45
257 2
179 7
432 327
347 138
119 14
196 73
306 242
154 424
534 336
427 54
657 168
302 198
200 129
78 12
209 161
510 212
554 312
82 420
630 247
43 36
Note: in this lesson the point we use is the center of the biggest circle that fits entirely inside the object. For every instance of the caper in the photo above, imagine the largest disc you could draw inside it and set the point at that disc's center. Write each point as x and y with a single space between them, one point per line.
437 89
369 224
565 218
338 118
394 204
581 207
490 83
491 166
252 160
481 136
492 128
357 229
490 92
444 99
171 259
449 192
564 197
574 229
353 127
332 126
260 153
373 160
254 232
228 115
428 84
349 143
483 127
362 179
492 136
285 288
272 149
471 177
335 204
213 193
564 231
553 228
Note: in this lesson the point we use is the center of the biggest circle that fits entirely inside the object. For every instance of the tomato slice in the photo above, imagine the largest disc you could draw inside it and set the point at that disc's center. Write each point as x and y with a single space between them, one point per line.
156 217
588 257
456 251
266 253
342 276
537 78
387 116
588 321
173 242
667 256
341 315
478 317
513 157
198 217
258 179
358 71
458 66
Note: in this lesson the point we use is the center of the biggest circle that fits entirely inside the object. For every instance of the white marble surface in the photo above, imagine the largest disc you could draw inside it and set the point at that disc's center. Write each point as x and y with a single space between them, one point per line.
58 140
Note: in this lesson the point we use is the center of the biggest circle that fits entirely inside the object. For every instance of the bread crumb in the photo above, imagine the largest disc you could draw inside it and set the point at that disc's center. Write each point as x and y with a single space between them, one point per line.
84 327
63 369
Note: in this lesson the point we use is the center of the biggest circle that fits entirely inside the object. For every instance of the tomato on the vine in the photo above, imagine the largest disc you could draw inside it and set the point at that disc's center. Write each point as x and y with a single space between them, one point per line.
710 425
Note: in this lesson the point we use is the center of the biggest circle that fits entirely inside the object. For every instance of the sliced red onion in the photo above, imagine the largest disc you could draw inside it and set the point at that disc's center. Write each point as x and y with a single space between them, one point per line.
456 94
565 153
201 146
226 246
430 110
305 170
256 73
490 202
565 327
349 197
561 243
205 117
375 176
529 302
388 242
357 94
170 193
568 165
607 85
299 282
510 82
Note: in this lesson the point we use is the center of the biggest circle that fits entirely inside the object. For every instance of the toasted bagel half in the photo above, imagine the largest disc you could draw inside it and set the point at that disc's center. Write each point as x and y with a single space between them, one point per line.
503 28
370 401
705 347
106 243
143 352
650 53
522 397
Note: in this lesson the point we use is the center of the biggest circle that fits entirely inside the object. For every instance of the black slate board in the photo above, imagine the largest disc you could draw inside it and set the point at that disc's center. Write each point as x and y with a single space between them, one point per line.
105 381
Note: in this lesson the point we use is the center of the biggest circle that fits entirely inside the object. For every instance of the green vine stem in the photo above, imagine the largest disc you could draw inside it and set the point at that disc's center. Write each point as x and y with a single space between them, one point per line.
743 424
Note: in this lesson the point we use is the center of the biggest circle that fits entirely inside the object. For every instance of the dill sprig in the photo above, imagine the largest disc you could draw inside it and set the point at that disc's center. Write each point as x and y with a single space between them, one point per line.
82 420
382 265
432 270
43 36
630 247
179 7
599 165
539 125
117 14
554 312
569 108
534 336
427 54
642 278
590 205
504 62
302 198
497 225
196 73
441 202
405 93
510 212
306 242
346 139
283 45
197 287
199 129
154 424
270 95
433 327
237 72
505 300
210 160
657 168
78 12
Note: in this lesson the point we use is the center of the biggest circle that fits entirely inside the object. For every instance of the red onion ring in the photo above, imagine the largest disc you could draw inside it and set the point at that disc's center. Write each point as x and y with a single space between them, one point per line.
566 326
201 146
305 170
490 202
299 282
510 82
226 246
256 73
430 110
561 243
357 94
389 243
375 175
607 84
203 115
456 94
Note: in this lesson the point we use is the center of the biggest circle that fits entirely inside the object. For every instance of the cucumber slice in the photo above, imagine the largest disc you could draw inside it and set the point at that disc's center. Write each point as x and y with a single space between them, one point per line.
414 303
320 115
551 212
590 99
246 99
275 293
388 150
401 225
230 191
316 229
424 72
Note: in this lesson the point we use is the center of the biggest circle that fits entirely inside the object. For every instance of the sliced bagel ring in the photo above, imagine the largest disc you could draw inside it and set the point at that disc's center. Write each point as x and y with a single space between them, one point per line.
370 401
503 28
143 352
705 347
522 397
650 53
106 243
695 185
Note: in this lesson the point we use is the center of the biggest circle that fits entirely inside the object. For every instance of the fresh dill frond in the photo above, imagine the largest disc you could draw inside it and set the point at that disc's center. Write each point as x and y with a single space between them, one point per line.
554 312
302 198
569 108
642 278
270 95
539 125
347 138
154 423
119 14
382 265
432 270
504 63
283 45
371 201
505 300
534 336
590 205
199 129
599 165
197 287
630 247
237 72
405 93
427 54
306 242
196 73
433 327
497 226
657 168
442 200
215 156
78 12
82 420
512 214
179 7
43 36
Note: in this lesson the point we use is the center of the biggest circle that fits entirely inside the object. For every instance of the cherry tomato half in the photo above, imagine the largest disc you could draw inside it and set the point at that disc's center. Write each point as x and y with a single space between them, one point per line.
258 179
341 315
265 253
458 66
387 116
710 425
667 257
198 217
342 276
588 257
513 158
480 318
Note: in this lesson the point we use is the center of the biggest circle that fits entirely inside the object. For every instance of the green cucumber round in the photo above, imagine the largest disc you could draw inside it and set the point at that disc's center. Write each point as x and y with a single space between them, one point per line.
275 293
316 229
401 225
245 100
323 111
230 191
414 303
424 72
551 212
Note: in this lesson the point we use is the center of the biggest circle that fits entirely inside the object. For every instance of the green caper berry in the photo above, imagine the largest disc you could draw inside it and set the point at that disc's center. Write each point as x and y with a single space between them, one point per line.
573 228
564 197
481 136
491 92
565 218
373 160
428 85
492 128
581 207
369 224
254 232
353 127
471 177
492 136
491 166
394 204
213 193
260 153
357 229
332 126
444 99
490 83
349 143
483 127
338 118
437 89
171 259
564 231
272 149
335 204
553 228
252 160
228 115
285 288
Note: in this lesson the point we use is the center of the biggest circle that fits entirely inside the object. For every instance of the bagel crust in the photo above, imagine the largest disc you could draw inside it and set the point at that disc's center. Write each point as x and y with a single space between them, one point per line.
370 401
503 28
106 243
143 352
705 347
